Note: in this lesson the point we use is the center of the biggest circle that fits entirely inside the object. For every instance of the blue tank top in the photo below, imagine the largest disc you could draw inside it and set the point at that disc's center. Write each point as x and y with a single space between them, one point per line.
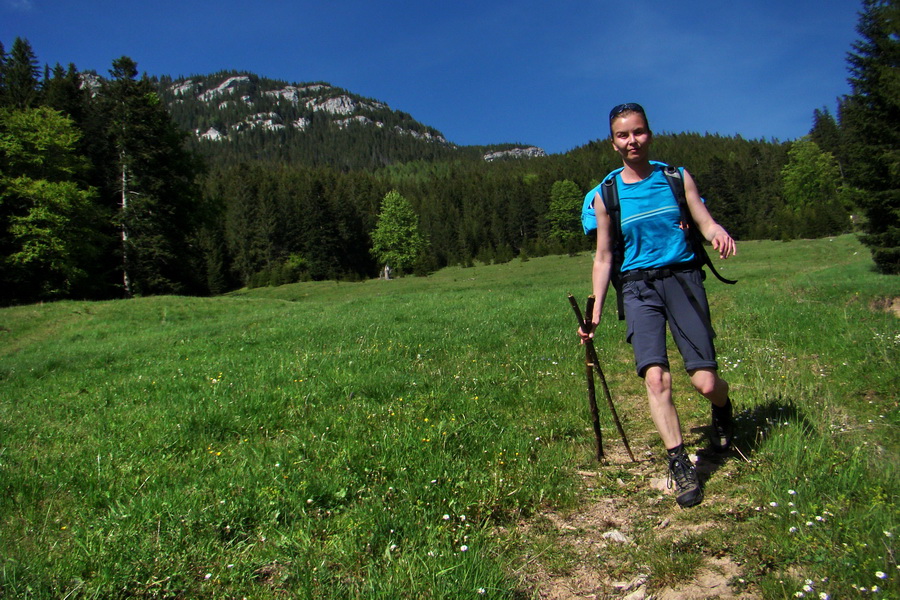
651 223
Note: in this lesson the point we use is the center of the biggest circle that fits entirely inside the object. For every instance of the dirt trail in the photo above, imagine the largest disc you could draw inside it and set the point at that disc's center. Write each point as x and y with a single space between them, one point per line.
595 553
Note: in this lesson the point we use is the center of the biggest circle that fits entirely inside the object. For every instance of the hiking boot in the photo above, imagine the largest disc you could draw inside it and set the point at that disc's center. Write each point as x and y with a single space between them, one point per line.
722 427
687 486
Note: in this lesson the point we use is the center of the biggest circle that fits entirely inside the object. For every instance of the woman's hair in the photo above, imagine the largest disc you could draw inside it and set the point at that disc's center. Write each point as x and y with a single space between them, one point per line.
625 109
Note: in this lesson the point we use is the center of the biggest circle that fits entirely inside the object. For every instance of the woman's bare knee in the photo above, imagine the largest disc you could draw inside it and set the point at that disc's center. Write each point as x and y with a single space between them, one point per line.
657 379
708 383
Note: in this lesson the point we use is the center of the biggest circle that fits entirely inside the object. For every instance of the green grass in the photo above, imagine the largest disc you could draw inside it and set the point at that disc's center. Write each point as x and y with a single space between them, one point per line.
338 440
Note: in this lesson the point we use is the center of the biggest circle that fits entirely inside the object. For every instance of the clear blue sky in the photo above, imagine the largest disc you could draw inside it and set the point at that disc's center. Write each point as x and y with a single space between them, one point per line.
488 71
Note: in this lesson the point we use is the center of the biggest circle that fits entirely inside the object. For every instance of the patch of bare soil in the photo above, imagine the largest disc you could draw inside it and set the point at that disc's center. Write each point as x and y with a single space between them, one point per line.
891 305
593 551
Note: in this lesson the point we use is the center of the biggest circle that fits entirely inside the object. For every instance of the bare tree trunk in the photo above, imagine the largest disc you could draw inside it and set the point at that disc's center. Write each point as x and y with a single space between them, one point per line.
126 279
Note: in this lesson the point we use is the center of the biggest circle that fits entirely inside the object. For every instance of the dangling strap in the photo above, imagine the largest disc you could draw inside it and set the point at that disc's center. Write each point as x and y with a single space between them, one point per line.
676 182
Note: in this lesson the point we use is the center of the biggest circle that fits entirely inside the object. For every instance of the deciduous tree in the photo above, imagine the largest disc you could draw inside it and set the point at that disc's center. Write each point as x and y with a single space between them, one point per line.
564 214
48 221
396 240
811 183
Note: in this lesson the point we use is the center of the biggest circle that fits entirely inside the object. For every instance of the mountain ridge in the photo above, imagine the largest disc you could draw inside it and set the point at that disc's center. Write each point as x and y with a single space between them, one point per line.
238 113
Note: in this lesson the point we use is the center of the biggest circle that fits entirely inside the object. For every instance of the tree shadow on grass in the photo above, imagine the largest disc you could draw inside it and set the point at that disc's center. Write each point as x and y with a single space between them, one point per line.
752 426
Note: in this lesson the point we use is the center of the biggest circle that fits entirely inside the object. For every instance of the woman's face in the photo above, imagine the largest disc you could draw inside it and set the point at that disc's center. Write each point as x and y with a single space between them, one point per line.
631 137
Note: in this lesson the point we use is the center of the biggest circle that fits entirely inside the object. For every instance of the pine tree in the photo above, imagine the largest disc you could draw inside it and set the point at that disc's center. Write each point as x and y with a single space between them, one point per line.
870 118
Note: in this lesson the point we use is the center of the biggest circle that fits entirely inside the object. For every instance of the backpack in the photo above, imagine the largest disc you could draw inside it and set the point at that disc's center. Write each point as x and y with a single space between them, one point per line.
609 192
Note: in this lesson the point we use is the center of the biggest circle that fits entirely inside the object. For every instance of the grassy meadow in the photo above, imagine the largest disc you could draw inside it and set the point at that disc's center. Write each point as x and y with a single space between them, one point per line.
390 439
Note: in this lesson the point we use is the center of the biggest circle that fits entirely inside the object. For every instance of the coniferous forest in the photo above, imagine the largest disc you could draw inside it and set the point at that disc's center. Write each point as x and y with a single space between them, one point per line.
122 184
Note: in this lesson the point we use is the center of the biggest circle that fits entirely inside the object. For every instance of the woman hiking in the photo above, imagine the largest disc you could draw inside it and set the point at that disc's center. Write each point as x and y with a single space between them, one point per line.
662 282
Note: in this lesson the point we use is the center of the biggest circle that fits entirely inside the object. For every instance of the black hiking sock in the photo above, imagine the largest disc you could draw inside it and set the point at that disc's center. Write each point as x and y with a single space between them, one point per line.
723 411
722 426
676 451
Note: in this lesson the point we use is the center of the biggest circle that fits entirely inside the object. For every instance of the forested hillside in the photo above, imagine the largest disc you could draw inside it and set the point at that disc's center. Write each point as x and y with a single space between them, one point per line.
123 184
236 117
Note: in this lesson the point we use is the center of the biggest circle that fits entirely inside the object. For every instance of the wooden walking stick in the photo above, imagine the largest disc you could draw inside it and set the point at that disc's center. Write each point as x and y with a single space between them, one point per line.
592 396
592 361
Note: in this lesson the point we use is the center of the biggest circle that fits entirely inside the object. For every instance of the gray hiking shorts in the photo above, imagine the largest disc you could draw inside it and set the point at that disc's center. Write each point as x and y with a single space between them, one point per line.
680 301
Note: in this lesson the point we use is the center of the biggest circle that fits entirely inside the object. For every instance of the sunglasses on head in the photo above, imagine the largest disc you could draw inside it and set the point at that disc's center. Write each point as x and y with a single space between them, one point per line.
627 107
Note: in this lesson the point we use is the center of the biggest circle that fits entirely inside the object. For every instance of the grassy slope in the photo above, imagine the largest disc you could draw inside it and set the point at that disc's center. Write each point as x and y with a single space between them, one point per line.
350 440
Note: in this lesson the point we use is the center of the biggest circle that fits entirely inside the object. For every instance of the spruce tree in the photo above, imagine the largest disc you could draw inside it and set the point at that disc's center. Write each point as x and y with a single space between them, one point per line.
21 76
62 92
151 184
870 117
826 133
320 246
2 75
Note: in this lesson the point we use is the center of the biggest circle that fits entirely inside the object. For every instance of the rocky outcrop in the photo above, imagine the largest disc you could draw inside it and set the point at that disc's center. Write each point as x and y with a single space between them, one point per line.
241 103
225 87
341 105
270 121
527 152
212 134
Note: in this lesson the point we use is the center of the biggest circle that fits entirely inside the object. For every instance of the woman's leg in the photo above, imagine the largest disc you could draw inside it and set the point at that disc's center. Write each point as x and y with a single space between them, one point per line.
658 381
710 385
713 387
